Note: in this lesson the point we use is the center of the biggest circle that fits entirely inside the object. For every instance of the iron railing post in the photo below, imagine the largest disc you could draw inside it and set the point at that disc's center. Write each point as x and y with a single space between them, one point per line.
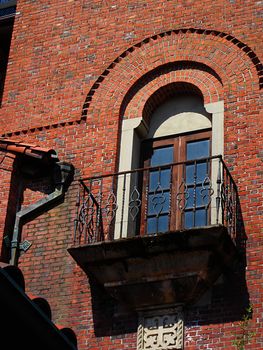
218 196
76 221
123 204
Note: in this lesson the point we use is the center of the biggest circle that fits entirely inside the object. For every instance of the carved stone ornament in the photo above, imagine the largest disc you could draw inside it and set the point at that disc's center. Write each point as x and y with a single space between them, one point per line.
161 330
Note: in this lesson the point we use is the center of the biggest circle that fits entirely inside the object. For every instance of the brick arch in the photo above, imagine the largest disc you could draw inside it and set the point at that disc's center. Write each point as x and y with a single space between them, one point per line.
162 94
216 57
233 61
177 77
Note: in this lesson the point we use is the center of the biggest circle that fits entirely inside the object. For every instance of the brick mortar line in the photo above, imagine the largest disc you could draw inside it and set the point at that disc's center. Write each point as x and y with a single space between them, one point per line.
45 127
228 37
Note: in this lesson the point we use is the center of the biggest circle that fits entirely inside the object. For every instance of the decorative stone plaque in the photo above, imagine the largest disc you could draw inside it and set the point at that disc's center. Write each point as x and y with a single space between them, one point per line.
160 330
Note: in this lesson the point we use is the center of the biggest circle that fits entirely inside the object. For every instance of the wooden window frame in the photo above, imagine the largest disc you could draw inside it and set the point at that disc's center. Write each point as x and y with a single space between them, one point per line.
179 143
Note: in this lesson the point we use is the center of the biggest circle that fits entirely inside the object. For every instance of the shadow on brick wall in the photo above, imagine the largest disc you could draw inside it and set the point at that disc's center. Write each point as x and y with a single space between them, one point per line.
109 317
35 188
225 302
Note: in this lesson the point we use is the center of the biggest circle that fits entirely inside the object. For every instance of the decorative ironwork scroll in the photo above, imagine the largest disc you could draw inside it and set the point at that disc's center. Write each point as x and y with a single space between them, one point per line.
206 191
182 196
111 207
135 203
158 200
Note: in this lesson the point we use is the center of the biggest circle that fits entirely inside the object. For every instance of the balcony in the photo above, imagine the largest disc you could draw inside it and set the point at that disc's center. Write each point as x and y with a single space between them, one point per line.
159 235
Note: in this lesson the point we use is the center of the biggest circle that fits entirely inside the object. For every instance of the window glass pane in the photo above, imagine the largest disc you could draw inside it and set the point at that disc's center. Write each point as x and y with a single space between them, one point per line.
190 199
195 218
190 170
197 149
162 156
201 198
156 225
200 217
199 170
163 176
158 203
188 219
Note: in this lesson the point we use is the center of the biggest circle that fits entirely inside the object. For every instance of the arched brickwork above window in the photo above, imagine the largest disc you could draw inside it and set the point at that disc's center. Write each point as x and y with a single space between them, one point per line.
179 76
235 66
166 92
233 61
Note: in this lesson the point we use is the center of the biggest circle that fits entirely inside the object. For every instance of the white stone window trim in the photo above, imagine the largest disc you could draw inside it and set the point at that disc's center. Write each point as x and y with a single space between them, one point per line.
134 130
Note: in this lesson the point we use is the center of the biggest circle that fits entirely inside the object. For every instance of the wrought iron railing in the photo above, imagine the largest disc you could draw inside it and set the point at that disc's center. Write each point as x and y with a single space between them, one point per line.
154 200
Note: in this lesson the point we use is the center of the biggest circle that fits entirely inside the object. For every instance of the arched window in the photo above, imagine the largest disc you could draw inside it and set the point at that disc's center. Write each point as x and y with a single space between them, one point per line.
177 135
179 132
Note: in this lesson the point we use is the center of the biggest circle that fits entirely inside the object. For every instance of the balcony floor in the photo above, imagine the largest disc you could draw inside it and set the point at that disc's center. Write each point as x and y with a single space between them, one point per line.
166 269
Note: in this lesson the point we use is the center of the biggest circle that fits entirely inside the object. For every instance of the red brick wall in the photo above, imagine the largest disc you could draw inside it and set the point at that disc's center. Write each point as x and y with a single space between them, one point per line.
75 69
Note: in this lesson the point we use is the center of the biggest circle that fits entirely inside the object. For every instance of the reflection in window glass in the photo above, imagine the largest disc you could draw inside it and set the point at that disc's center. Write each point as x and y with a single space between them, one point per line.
161 177
197 149
195 174
199 170
162 156
159 191
158 203
157 225
195 218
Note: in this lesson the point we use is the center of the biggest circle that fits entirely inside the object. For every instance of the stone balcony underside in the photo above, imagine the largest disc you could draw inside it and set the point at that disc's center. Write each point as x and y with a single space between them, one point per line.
174 267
